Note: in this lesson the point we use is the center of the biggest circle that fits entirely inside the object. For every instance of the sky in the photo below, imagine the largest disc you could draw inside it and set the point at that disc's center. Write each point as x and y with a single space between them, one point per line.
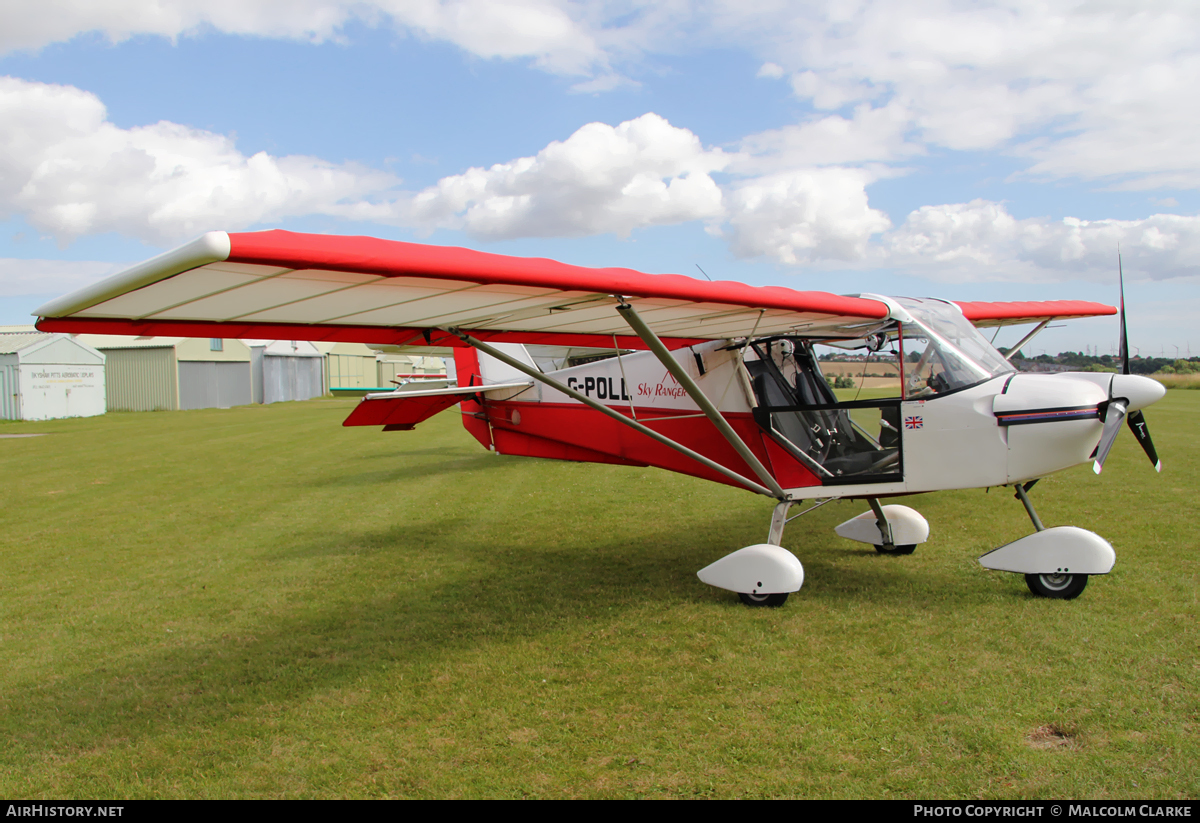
964 150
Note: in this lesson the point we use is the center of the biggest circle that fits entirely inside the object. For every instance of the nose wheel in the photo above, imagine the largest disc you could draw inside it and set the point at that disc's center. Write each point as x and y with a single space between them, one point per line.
1056 562
1057 586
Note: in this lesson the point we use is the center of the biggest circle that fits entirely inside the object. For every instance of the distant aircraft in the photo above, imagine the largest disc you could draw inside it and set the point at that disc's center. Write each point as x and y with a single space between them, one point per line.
718 380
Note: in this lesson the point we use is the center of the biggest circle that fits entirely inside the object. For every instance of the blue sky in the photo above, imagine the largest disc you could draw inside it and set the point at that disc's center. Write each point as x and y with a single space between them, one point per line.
962 150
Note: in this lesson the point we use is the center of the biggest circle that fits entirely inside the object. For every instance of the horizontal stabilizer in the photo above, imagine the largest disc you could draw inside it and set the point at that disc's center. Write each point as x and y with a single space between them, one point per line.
402 411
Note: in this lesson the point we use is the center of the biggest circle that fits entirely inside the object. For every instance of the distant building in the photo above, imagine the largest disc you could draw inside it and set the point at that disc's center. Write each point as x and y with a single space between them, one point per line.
398 369
47 376
350 366
355 369
181 373
285 370
170 373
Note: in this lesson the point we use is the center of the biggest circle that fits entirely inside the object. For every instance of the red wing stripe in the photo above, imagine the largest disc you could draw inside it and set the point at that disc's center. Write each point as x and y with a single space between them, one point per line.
1031 311
391 258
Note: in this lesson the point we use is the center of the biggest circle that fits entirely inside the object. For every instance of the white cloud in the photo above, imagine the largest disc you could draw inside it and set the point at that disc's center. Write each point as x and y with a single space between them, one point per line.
646 172
544 30
832 90
601 179
70 172
804 215
20 278
980 240
869 135
1095 91
541 29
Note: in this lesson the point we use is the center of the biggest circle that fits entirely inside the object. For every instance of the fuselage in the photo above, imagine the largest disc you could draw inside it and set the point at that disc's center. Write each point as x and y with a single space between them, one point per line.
961 416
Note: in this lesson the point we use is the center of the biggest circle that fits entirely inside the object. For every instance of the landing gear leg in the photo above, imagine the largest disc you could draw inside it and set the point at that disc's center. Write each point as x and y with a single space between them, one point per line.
778 521
887 543
1023 496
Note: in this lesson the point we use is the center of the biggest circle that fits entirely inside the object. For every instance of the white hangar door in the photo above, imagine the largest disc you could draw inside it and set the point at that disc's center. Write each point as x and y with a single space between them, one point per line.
291 378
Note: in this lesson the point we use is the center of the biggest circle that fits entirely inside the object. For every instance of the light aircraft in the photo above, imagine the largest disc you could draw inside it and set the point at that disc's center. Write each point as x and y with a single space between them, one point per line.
718 380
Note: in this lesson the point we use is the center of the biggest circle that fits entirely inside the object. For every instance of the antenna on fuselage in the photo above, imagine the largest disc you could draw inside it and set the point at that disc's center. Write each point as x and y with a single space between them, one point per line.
702 271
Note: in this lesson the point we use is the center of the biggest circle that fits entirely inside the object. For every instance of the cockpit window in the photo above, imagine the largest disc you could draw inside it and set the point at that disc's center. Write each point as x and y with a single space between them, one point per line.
838 442
942 351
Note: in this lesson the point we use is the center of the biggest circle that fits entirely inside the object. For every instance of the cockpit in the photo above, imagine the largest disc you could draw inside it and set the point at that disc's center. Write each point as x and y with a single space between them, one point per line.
929 347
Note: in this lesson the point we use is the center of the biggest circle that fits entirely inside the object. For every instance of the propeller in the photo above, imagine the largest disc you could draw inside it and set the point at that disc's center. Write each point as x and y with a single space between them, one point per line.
1118 407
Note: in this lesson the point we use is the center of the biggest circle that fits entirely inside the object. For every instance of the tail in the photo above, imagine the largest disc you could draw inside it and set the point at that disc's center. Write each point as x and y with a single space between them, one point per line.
477 369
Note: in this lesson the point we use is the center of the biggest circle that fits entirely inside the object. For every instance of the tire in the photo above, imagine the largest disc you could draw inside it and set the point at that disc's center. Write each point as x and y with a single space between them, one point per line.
906 548
1056 586
760 600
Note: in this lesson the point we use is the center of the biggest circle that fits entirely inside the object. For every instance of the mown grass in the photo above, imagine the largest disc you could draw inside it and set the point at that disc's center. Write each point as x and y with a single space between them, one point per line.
257 602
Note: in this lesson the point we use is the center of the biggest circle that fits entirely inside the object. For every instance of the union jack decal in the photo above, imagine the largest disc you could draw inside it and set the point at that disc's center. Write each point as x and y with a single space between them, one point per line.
914 422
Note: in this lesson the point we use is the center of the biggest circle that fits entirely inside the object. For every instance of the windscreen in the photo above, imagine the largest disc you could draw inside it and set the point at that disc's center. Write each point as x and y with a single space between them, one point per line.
942 351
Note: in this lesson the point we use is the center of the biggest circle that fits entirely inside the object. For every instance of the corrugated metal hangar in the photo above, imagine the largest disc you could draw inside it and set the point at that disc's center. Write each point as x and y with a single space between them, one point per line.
150 373
181 373
286 370
168 373
353 368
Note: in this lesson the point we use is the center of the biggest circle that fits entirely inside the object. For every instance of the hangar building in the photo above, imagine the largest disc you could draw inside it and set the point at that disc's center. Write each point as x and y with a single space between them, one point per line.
285 370
46 376
169 373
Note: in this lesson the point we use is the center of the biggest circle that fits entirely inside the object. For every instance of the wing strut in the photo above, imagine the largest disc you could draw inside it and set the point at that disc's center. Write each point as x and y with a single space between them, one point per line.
615 415
1013 351
710 411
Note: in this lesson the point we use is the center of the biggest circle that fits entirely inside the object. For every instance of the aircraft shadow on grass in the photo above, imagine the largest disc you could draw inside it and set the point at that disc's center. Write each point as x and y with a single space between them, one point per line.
642 567
450 461
496 593
442 453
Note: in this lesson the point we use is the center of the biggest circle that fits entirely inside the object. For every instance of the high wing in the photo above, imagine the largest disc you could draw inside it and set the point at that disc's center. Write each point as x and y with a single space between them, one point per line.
984 314
283 285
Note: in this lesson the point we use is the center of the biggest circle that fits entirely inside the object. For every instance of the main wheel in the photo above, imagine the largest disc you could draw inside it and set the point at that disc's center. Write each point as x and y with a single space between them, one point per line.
1058 586
763 599
907 548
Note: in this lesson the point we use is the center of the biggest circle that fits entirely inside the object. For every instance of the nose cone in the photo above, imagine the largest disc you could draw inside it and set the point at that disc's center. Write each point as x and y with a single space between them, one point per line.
1139 391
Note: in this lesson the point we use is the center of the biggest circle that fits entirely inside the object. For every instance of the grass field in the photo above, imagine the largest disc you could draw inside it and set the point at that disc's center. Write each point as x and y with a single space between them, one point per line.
1179 381
257 602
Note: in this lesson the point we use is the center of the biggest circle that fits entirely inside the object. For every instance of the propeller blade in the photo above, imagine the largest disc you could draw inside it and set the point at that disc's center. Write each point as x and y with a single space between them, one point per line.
1112 427
1124 339
1137 424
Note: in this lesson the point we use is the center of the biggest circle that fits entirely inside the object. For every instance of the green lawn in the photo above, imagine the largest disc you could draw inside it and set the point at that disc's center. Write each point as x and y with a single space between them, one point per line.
257 602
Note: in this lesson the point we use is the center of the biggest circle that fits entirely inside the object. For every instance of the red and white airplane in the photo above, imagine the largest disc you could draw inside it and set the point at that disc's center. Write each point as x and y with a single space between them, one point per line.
718 380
